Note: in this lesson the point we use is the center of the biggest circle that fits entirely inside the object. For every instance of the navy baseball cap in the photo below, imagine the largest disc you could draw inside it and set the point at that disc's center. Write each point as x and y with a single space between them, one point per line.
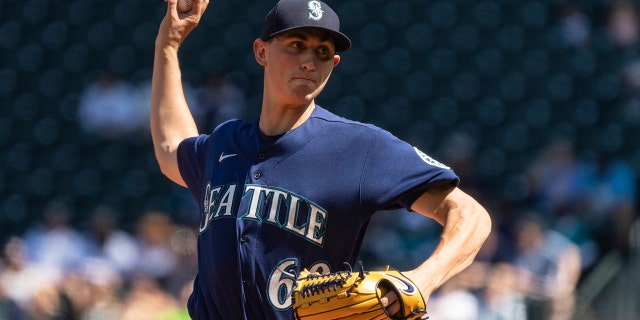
294 14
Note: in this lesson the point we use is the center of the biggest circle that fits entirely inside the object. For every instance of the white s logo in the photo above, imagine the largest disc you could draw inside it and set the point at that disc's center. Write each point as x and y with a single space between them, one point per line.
315 10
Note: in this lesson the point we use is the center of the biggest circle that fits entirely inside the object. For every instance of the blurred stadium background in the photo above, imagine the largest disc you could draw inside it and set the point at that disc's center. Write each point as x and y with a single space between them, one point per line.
485 86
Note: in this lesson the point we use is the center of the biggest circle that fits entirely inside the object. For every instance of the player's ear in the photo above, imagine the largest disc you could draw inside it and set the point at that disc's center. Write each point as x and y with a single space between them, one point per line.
259 51
336 60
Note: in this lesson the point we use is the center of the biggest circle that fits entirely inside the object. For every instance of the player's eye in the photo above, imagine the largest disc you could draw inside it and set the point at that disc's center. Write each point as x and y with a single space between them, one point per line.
296 45
324 52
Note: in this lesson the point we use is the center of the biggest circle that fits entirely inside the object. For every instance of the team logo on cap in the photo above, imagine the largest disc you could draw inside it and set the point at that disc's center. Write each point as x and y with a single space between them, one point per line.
315 10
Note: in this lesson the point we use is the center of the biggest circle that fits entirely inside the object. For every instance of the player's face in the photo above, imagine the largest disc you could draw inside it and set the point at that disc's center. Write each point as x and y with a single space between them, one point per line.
297 64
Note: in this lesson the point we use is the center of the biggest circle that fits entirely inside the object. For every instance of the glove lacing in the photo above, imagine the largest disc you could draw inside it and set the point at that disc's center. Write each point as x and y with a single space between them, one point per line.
330 281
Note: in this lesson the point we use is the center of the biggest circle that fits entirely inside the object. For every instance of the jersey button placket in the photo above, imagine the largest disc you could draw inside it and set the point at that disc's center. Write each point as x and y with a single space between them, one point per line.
262 155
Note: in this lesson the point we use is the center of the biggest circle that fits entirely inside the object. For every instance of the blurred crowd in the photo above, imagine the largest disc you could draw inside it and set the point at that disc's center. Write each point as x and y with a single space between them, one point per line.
112 108
99 271
68 266
578 210
571 207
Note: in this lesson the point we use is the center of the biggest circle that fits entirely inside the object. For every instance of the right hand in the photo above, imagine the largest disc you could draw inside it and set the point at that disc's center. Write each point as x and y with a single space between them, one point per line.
176 26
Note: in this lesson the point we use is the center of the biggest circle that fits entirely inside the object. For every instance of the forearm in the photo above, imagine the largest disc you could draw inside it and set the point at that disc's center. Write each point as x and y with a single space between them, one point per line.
170 118
466 226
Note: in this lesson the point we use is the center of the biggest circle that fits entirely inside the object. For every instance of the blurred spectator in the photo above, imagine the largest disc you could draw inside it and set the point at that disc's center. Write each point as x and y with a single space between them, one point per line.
491 279
47 305
217 101
531 275
610 202
630 79
106 241
92 291
147 300
454 305
113 276
20 282
557 178
54 245
108 108
575 26
548 268
623 24
502 298
184 242
8 308
592 201
156 258
485 291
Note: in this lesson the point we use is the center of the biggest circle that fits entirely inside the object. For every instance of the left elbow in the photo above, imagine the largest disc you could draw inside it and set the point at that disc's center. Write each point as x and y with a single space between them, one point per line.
478 221
483 222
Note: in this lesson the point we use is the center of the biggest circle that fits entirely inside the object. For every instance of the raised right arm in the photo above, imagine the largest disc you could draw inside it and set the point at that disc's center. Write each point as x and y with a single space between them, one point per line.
171 120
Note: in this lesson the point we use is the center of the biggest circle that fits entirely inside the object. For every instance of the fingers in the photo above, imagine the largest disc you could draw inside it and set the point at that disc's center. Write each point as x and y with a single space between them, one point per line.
176 26
391 303
199 6
172 9
394 308
197 10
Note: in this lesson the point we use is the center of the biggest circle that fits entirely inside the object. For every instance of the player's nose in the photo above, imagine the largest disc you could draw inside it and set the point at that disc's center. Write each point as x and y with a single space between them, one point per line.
308 62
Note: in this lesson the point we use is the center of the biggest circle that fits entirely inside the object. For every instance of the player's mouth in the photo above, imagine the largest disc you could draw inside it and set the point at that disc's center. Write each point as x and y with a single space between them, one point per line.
304 78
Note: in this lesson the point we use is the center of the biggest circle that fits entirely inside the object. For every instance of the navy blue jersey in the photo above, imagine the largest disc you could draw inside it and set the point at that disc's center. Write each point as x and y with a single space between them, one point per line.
272 206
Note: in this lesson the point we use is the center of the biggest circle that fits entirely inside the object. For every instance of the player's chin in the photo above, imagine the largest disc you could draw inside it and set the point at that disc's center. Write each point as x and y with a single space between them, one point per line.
306 93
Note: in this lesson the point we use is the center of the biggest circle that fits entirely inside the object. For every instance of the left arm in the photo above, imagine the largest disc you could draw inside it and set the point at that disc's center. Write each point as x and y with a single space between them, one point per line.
466 226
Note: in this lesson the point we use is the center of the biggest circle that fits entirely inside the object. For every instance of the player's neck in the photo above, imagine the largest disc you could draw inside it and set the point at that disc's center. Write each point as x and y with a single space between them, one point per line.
278 120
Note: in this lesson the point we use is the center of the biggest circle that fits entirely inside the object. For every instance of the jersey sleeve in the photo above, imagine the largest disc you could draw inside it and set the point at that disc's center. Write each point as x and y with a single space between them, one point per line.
395 173
196 155
191 161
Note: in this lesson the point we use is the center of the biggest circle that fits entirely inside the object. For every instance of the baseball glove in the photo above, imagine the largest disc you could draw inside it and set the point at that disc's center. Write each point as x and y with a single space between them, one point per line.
355 295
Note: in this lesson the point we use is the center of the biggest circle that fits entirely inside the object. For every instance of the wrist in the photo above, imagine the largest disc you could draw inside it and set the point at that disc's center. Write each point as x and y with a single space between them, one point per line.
423 282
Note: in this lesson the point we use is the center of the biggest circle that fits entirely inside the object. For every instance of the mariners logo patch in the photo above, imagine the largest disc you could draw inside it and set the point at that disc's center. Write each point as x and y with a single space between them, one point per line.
429 160
315 10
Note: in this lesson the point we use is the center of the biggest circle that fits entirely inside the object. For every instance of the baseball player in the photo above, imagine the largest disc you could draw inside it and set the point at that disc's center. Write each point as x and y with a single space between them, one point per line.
297 187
